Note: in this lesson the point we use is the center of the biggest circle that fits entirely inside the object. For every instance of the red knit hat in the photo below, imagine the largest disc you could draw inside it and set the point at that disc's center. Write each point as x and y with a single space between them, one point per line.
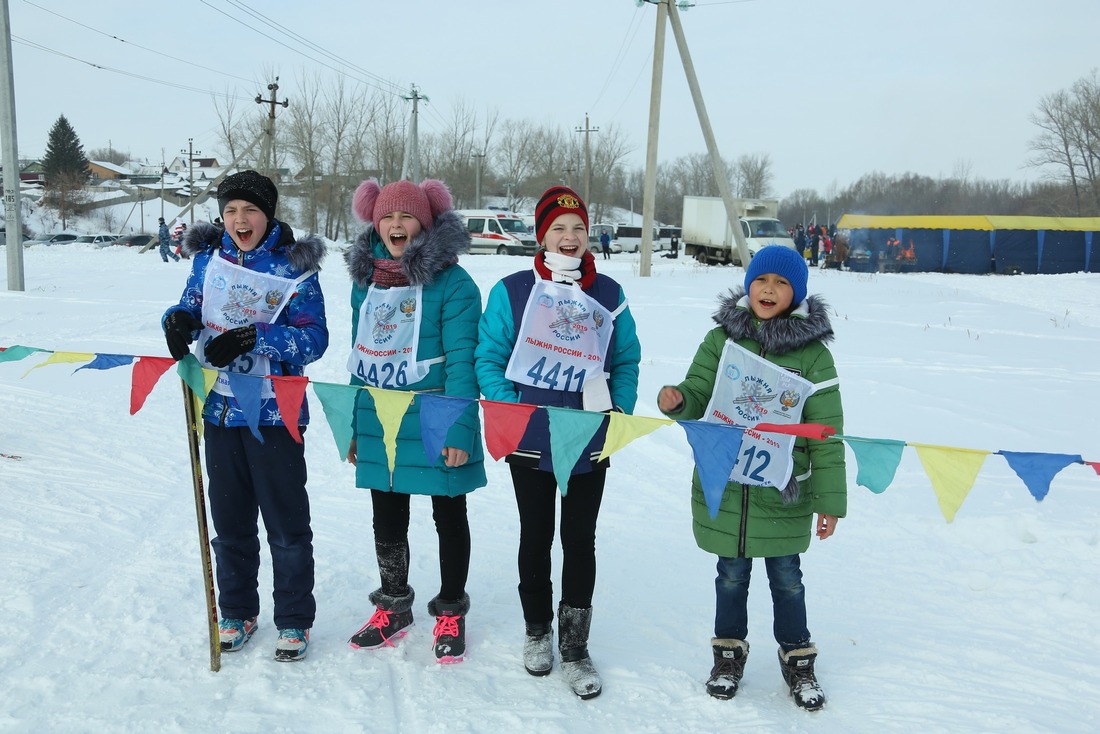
425 202
556 201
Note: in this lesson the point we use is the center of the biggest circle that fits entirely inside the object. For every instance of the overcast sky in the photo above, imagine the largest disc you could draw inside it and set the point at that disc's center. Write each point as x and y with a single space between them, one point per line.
829 89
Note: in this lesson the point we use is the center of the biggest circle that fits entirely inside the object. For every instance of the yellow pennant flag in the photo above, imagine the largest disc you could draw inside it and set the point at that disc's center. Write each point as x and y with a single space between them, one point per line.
623 428
390 406
952 472
63 358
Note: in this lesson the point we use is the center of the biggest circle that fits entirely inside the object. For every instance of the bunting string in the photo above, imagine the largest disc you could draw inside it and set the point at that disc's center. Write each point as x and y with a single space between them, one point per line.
952 471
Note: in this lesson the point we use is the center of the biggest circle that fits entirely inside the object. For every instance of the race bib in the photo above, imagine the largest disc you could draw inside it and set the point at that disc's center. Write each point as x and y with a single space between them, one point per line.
386 342
749 390
563 339
234 296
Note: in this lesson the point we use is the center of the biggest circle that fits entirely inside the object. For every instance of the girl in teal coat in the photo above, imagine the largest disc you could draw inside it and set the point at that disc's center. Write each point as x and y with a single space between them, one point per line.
773 319
414 326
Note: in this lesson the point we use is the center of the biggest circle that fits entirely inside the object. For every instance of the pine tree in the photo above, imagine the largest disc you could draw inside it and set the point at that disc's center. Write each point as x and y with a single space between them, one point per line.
66 169
65 160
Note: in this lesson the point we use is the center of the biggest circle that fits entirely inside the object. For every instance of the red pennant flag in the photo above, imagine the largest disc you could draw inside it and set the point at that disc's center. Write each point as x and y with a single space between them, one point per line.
816 431
290 391
1095 466
504 426
147 370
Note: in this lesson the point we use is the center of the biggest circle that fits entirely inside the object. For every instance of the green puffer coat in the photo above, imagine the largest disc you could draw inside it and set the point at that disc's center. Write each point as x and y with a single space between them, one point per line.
759 522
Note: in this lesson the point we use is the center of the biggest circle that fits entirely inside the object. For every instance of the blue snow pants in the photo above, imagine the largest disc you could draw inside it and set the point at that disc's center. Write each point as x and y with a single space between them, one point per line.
250 479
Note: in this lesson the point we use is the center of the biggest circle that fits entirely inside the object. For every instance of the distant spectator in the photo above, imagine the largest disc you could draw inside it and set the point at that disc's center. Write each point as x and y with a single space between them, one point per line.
165 241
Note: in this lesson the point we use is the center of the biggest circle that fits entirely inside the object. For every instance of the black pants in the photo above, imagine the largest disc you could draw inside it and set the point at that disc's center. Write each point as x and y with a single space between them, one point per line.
536 497
248 479
391 542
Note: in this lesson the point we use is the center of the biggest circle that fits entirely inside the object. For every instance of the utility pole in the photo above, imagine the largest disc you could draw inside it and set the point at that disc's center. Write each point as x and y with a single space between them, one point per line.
12 207
477 178
267 150
163 170
191 175
720 176
587 157
410 166
649 187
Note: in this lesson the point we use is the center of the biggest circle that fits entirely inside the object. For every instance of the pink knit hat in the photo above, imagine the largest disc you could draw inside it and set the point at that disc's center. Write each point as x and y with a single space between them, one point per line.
425 202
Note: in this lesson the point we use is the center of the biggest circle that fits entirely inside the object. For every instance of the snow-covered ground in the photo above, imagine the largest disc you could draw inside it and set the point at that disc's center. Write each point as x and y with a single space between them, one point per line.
979 625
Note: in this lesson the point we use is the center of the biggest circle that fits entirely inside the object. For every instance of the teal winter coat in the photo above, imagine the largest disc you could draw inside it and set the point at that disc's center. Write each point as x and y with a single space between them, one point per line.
754 521
448 328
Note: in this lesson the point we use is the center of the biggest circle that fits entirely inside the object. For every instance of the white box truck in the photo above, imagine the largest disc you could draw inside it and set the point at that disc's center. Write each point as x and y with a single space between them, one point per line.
707 235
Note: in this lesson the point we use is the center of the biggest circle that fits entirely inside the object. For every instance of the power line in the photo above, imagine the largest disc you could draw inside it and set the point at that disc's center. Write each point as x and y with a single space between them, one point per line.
175 85
143 48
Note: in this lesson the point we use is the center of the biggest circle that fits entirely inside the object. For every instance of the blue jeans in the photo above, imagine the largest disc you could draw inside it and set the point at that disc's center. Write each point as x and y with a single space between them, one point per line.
731 617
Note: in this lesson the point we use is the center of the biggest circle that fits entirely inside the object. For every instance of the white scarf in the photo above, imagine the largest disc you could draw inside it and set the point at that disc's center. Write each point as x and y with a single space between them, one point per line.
564 268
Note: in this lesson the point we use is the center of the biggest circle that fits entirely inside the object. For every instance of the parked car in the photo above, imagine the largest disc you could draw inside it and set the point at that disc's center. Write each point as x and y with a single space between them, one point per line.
95 239
51 239
132 240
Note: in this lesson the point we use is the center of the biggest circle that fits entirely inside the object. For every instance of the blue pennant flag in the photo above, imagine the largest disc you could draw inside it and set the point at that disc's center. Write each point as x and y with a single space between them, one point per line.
715 448
1037 470
437 414
246 389
106 362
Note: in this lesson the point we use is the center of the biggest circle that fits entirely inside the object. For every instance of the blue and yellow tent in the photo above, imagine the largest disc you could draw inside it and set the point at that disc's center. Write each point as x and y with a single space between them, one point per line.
980 244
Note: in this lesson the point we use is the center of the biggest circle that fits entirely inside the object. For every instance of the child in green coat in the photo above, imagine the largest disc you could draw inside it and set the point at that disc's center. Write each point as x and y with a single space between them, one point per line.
766 361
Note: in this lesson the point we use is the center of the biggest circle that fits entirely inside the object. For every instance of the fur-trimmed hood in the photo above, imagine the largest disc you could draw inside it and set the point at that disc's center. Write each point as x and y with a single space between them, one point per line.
427 254
807 323
304 254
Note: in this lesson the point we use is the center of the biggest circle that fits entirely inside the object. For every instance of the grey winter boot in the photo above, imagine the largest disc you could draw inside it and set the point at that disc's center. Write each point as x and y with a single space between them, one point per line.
390 622
576 665
538 649
798 672
729 666
449 635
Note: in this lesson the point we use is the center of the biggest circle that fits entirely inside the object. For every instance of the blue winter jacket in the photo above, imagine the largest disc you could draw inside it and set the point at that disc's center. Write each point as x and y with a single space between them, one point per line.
497 336
451 305
297 337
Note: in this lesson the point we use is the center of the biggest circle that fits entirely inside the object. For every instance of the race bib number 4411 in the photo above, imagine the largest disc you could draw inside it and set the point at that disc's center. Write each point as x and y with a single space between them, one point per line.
749 390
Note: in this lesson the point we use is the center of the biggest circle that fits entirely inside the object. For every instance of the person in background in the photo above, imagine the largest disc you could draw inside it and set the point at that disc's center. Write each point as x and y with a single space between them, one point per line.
562 300
415 312
770 318
253 303
165 241
605 244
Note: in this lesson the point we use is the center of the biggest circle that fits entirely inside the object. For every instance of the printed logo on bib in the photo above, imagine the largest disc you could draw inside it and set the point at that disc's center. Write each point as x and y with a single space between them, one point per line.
755 403
570 325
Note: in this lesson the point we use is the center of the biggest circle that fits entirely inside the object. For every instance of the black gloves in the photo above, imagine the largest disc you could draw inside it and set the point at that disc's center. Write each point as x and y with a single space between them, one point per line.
179 327
226 347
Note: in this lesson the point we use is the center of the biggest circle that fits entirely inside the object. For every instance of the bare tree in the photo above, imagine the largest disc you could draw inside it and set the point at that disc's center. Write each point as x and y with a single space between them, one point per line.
305 143
753 175
1068 144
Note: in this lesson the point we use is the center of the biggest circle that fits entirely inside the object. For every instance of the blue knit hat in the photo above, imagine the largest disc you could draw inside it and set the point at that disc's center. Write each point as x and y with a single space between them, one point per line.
782 261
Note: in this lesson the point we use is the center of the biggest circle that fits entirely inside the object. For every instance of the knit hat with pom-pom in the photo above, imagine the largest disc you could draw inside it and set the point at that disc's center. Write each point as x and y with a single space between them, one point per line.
425 202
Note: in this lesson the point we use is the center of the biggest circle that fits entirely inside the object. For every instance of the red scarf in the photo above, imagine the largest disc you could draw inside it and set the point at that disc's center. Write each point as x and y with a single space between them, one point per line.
588 269
389 273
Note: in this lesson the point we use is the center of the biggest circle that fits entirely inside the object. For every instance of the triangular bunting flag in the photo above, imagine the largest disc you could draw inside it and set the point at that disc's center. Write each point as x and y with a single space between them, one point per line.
390 405
16 352
191 372
247 390
1037 470
715 448
1095 466
952 472
877 460
505 424
338 402
62 358
625 428
147 370
107 362
437 414
815 431
570 432
290 391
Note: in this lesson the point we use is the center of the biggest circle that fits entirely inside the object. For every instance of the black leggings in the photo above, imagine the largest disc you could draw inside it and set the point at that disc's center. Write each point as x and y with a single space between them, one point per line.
536 497
391 542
